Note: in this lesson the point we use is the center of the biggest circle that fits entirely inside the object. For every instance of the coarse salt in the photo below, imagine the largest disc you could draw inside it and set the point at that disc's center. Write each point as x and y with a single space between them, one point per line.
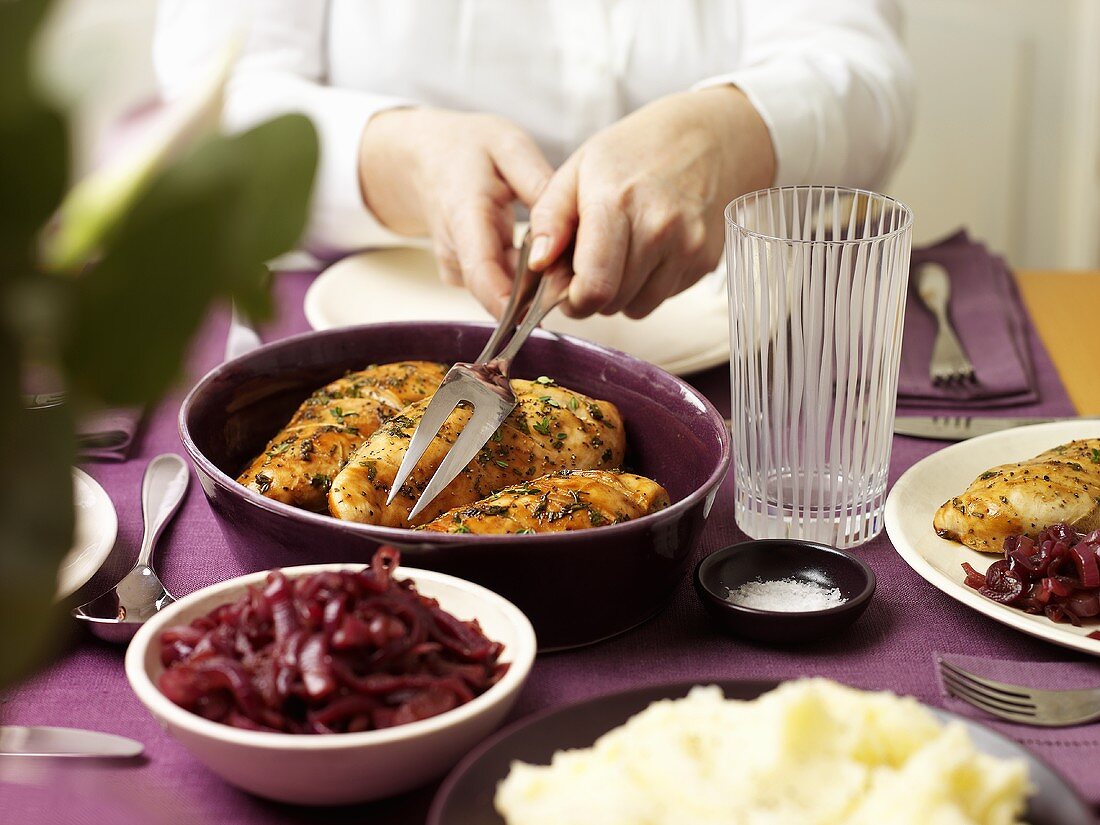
785 595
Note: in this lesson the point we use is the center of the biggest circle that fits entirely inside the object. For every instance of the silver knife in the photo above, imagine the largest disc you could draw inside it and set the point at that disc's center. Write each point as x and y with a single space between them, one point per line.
961 427
16 740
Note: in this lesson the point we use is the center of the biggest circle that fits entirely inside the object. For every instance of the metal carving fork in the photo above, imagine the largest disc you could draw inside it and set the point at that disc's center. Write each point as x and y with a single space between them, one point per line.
483 384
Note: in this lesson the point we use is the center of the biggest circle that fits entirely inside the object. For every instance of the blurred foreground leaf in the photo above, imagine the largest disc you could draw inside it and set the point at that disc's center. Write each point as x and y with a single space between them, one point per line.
202 230
193 228
36 512
34 145
19 21
93 208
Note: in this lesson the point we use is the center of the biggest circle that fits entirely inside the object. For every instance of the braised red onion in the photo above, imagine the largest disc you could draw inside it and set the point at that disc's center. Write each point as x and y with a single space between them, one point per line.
1056 574
334 652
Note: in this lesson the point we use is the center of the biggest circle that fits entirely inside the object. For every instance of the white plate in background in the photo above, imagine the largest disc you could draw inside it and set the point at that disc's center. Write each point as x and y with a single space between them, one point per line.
687 333
917 495
93 535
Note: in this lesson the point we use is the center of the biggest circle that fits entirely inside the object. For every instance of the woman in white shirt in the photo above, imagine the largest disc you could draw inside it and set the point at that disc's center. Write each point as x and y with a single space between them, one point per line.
623 125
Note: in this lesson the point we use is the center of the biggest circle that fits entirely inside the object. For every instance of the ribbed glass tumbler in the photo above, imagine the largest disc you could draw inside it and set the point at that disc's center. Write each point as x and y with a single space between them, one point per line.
817 282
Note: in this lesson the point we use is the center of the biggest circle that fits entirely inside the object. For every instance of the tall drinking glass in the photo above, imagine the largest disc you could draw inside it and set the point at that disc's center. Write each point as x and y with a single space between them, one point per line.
817 281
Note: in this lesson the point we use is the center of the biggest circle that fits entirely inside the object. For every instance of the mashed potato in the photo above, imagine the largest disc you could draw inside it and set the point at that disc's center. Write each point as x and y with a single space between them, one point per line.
810 752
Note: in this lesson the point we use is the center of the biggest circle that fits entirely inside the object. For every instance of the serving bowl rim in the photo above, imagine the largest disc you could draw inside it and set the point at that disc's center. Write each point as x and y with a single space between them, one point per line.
520 656
853 603
404 535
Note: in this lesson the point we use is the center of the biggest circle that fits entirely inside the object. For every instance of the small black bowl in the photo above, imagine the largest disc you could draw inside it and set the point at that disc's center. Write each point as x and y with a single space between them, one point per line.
773 559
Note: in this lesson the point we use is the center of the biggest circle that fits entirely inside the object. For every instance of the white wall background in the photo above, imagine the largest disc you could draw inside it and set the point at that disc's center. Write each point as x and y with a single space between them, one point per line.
1007 141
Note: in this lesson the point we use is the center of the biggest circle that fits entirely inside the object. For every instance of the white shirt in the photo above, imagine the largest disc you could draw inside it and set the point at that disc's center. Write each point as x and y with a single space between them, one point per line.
829 77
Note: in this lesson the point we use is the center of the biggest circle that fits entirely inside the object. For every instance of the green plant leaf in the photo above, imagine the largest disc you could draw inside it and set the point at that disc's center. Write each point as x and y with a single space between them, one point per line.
95 206
36 512
194 231
280 158
201 231
19 21
34 170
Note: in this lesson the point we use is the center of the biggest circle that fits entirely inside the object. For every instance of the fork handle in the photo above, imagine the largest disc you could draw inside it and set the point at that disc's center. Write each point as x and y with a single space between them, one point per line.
552 289
523 288
934 289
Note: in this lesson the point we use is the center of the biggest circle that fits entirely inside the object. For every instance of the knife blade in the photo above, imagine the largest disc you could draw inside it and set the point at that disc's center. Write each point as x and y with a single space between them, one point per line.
16 740
961 427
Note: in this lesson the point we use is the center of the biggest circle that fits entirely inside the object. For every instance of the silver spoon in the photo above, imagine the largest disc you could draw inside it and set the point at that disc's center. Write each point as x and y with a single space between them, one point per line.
117 614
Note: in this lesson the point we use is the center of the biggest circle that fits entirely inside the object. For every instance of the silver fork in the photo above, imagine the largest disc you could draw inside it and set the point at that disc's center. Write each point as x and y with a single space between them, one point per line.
949 364
483 384
1024 705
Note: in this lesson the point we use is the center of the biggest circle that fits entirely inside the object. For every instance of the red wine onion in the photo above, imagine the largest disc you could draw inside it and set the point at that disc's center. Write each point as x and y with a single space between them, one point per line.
1056 574
334 652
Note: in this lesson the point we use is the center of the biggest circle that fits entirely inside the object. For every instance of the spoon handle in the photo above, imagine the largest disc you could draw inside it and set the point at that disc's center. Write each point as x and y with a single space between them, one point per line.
162 491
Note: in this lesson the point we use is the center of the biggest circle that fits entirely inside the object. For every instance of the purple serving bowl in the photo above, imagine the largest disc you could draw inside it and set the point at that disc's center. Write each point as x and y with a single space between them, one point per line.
575 587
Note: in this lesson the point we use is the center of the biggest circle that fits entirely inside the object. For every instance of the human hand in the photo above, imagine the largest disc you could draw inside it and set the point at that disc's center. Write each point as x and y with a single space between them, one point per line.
454 176
644 198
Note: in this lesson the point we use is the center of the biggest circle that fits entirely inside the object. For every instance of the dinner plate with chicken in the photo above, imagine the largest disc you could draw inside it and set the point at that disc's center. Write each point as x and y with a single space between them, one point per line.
1009 525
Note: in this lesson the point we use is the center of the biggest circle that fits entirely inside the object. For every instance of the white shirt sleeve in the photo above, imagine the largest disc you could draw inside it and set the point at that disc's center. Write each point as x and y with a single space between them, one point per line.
282 69
833 84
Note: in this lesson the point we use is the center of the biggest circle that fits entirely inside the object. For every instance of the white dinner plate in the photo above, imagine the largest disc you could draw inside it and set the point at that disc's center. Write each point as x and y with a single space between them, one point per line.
93 534
687 333
929 483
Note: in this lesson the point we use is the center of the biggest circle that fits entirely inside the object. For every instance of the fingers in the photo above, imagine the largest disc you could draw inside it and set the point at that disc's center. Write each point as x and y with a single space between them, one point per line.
473 175
480 250
677 249
650 235
666 281
521 164
554 217
603 241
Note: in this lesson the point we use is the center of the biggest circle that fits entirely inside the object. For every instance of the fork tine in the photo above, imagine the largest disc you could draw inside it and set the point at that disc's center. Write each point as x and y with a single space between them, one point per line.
990 707
442 404
482 424
1019 707
1011 693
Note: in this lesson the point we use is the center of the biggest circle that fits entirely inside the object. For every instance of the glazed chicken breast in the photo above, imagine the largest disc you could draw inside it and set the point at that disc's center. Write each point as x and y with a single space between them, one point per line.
565 500
1060 485
297 466
552 428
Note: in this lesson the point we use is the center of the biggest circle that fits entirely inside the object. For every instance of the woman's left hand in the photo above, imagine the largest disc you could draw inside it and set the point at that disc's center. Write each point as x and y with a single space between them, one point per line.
644 199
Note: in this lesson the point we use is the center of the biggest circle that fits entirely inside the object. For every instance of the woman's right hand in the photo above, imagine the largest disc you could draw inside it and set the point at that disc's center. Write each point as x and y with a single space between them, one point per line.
455 176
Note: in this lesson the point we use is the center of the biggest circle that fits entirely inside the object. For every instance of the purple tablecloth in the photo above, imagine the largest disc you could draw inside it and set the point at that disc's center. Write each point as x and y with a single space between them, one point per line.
891 647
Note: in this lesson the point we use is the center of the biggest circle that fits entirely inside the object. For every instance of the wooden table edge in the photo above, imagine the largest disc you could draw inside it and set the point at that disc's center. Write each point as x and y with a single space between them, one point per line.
1064 306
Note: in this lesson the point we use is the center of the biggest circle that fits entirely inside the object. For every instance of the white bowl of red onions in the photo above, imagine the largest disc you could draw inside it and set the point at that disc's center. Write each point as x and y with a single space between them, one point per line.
330 684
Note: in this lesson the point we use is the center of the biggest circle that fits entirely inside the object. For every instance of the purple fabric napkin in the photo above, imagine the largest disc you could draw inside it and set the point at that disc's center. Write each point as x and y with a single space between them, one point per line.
108 435
1073 752
991 322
